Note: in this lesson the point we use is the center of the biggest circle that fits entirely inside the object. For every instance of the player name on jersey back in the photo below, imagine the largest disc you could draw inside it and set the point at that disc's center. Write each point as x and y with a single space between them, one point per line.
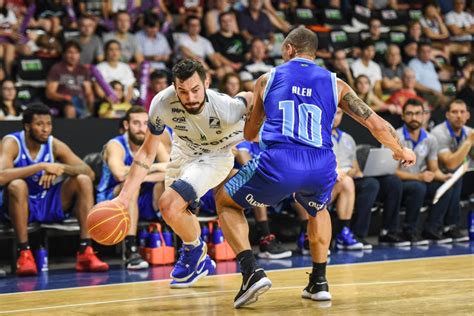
217 128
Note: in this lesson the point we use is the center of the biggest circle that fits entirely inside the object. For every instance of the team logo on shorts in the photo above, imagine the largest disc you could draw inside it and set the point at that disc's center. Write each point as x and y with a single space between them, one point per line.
317 206
249 198
214 122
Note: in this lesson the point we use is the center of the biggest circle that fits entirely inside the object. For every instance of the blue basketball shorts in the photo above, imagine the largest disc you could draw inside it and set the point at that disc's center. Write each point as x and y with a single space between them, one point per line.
280 171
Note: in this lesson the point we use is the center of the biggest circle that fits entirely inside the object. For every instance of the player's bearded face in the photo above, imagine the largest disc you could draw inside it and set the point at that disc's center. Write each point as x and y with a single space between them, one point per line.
191 93
40 128
137 128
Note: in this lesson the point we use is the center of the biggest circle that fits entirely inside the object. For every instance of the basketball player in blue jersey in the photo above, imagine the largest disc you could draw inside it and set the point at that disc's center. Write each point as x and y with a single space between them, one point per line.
118 157
30 166
296 103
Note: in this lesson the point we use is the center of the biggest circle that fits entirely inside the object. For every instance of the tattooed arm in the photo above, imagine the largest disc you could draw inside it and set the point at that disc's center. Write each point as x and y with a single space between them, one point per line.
256 112
139 169
380 129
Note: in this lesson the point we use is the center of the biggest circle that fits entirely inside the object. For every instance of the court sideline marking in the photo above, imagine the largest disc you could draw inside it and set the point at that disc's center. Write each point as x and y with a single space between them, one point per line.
238 273
194 295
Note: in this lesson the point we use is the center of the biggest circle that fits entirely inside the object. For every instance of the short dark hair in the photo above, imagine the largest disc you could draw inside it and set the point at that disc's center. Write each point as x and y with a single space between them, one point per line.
115 82
119 12
132 110
303 40
424 42
412 102
224 14
150 19
185 68
158 74
366 43
34 109
70 44
457 101
110 42
191 17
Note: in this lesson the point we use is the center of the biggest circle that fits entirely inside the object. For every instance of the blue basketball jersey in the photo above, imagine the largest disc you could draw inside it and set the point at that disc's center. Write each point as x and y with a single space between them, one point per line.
24 159
107 181
300 102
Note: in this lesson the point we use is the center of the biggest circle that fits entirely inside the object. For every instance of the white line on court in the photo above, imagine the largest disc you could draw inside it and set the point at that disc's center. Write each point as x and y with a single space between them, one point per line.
209 293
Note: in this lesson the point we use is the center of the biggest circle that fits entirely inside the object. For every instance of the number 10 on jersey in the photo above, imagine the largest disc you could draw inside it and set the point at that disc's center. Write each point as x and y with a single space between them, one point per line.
309 122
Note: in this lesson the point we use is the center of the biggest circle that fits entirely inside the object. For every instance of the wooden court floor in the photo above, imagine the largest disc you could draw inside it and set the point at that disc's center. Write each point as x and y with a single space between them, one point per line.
437 286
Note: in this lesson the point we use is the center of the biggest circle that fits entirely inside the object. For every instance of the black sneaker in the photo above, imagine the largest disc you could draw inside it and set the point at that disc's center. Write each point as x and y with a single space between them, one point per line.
136 262
253 285
365 244
436 238
456 235
393 240
416 241
317 289
270 248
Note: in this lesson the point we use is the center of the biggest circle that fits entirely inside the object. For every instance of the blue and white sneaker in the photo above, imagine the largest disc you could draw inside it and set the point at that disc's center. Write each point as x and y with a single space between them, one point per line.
345 241
191 260
208 267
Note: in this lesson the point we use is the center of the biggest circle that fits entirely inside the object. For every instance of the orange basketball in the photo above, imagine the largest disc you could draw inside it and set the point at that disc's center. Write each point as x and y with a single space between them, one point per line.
108 223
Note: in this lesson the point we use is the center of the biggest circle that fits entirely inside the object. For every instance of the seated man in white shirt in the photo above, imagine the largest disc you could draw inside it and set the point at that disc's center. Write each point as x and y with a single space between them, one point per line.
365 65
461 26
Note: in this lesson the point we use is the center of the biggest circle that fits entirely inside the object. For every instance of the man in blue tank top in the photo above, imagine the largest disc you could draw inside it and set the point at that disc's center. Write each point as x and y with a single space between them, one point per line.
31 168
118 157
292 115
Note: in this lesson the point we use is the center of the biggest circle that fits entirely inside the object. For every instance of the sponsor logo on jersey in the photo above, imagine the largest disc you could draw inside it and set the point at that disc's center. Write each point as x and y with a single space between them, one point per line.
249 198
214 122
181 128
180 119
176 110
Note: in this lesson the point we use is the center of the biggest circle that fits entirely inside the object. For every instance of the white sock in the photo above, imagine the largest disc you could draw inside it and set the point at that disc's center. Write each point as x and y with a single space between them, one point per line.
194 243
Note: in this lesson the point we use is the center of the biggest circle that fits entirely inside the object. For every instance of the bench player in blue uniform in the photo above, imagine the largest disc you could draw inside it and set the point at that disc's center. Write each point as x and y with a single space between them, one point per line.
296 103
118 157
30 164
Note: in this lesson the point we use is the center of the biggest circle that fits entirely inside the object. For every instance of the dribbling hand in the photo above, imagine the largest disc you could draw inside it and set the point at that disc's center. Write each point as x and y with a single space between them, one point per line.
407 157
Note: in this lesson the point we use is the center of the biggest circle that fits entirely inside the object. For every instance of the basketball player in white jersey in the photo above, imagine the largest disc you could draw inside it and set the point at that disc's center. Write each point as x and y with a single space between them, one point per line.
205 124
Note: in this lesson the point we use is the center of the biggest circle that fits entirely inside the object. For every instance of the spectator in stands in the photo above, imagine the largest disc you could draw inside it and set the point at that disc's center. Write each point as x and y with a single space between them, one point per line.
257 65
69 87
230 47
194 46
113 69
10 107
92 49
365 65
188 8
410 45
465 74
254 22
116 109
153 44
434 28
364 92
399 97
392 70
10 36
340 66
421 181
461 26
269 246
49 13
455 142
231 84
387 189
118 157
467 93
343 193
158 81
380 40
31 164
130 46
213 16
427 79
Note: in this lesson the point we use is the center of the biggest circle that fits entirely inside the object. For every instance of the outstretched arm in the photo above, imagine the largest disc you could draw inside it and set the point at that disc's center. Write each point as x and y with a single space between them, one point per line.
256 112
380 129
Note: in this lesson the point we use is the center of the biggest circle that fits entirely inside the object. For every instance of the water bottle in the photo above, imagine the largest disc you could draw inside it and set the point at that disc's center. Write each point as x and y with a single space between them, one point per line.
217 236
154 239
205 233
168 236
142 238
41 258
471 225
